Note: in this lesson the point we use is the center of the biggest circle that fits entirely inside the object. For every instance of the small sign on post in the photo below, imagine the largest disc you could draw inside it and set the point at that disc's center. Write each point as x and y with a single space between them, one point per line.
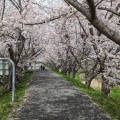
4 68
4 71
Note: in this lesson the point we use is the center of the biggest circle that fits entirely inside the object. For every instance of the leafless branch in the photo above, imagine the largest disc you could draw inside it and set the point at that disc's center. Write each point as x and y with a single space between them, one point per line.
41 7
109 10
51 19
82 26
98 3
3 9
15 4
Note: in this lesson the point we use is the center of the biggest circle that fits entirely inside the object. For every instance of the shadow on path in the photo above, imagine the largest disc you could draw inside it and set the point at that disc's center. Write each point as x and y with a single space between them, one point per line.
52 98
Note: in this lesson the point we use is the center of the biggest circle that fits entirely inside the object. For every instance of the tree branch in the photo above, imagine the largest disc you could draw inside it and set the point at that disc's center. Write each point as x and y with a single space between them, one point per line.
109 10
3 9
15 4
42 22
92 9
98 3
97 23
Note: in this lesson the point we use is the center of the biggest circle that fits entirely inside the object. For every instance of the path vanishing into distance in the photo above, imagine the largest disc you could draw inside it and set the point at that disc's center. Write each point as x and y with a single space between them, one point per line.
53 98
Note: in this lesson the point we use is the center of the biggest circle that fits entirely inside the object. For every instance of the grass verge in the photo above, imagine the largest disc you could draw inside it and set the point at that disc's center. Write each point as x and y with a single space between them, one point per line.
6 107
111 106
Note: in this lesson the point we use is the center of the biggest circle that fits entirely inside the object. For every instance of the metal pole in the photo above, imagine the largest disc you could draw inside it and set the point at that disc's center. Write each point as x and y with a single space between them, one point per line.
13 77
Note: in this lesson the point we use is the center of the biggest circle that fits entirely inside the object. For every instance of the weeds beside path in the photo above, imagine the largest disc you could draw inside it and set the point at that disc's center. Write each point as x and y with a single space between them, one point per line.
6 107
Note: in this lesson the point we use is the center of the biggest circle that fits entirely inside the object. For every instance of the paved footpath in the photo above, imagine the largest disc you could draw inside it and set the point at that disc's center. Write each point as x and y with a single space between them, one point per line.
52 98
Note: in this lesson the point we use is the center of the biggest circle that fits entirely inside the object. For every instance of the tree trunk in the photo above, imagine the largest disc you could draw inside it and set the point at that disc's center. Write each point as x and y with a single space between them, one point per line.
63 71
74 74
105 86
88 82
69 73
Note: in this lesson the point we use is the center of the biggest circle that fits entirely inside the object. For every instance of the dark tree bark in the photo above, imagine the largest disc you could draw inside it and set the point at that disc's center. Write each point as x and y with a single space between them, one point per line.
105 86
88 82
74 74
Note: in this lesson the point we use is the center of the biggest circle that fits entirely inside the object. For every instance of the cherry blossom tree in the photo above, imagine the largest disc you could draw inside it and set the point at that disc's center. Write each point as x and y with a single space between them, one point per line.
19 42
91 8
100 48
70 37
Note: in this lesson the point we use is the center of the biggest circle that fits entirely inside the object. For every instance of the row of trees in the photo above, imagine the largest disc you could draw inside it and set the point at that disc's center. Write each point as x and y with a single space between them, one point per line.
74 35
21 43
24 32
83 43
